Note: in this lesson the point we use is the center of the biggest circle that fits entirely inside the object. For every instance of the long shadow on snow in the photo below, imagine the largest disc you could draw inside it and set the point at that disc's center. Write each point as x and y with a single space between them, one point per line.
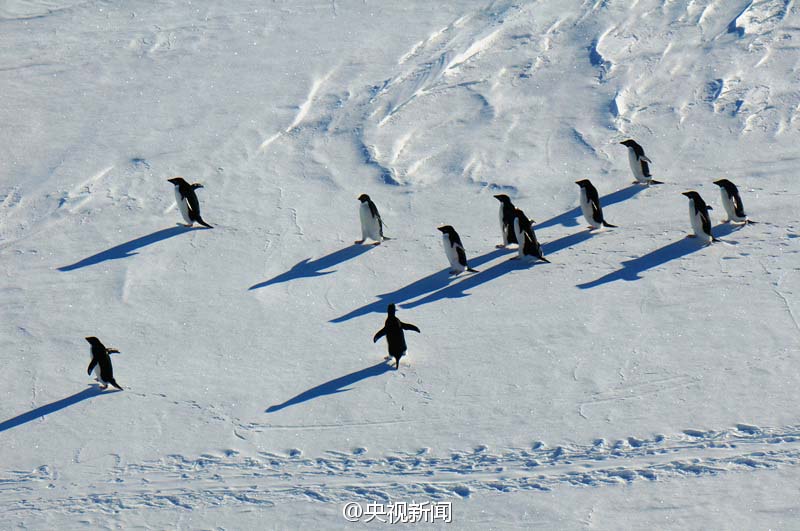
456 291
127 249
314 268
632 268
417 288
334 386
568 218
41 411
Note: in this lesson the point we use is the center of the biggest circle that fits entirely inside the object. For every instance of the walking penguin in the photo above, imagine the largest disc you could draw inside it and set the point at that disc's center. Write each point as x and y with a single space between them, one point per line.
101 363
371 222
506 220
590 205
454 250
732 202
393 330
187 201
698 215
640 164
529 245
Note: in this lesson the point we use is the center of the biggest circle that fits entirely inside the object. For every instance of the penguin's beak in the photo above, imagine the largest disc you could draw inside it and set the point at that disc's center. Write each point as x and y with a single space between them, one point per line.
497 197
687 194
441 229
718 183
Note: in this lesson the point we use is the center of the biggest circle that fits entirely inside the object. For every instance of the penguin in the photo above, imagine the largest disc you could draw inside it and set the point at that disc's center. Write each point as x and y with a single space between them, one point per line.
371 222
732 202
393 330
590 205
640 164
529 245
506 220
187 201
454 251
698 214
101 363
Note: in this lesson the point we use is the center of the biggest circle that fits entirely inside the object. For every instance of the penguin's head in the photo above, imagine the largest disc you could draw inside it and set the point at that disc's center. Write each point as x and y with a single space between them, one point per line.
446 229
724 183
628 143
177 181
503 198
583 182
691 194
391 310
93 341
363 198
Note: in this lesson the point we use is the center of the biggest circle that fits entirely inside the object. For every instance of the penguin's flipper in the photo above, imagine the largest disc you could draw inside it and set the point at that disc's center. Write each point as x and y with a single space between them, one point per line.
195 186
91 366
380 334
645 167
462 256
409 326
112 351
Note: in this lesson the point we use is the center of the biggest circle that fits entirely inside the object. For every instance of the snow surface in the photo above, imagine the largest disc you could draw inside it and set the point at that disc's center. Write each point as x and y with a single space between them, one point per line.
638 380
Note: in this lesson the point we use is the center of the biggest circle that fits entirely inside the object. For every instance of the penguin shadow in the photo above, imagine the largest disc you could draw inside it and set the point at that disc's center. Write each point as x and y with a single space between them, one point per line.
418 288
124 250
568 218
315 268
337 385
90 392
457 290
631 269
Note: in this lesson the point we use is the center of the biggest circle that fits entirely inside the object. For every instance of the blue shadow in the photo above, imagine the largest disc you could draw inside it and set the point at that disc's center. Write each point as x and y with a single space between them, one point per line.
568 219
124 250
631 269
420 287
458 290
39 412
315 268
337 385
565 241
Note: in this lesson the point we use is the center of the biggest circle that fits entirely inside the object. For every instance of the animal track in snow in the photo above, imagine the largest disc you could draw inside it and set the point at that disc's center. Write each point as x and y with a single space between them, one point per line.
267 479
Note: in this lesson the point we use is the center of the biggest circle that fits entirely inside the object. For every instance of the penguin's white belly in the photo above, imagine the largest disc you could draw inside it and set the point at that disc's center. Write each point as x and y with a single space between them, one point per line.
727 203
452 254
697 223
183 206
520 238
370 227
586 208
636 166
503 227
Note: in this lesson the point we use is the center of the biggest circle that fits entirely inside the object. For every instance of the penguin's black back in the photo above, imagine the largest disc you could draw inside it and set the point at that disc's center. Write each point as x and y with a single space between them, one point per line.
395 337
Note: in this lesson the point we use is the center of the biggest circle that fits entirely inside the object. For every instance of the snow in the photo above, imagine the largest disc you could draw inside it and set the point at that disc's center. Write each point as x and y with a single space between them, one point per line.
639 379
